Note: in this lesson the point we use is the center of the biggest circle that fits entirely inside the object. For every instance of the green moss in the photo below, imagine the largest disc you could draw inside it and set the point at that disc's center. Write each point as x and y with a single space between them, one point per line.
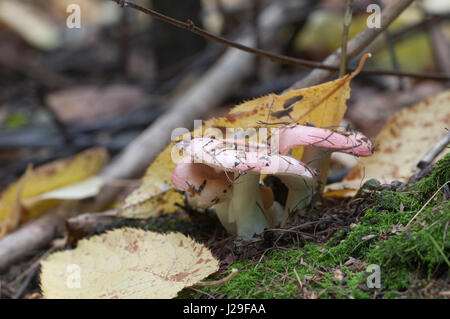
440 175
405 255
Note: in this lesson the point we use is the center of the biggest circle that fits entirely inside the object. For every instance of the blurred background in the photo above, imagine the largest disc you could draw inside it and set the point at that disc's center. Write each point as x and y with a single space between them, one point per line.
65 89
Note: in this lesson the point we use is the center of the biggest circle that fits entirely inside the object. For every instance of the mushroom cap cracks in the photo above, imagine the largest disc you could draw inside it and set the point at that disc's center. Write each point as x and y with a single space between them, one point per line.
231 156
209 167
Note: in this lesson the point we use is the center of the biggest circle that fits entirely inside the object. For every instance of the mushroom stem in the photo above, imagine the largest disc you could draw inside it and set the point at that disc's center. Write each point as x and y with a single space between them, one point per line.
246 207
299 195
222 212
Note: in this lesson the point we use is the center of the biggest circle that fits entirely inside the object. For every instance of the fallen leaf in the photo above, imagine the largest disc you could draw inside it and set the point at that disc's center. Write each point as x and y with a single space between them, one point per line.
12 220
126 263
52 176
401 144
84 189
87 103
323 105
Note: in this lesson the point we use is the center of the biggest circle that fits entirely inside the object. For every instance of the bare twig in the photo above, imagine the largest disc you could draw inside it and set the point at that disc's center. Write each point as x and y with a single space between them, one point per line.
190 26
391 48
393 55
347 22
233 273
434 151
298 278
356 45
441 46
26 282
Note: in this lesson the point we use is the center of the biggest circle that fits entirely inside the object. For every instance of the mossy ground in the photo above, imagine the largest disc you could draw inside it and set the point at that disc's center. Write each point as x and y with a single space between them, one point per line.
413 258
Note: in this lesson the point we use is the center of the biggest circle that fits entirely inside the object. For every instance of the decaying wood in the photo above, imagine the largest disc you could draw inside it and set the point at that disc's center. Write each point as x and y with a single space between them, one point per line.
79 226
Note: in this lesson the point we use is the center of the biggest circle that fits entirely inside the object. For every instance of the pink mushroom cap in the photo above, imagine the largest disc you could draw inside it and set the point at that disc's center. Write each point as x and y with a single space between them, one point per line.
301 135
234 156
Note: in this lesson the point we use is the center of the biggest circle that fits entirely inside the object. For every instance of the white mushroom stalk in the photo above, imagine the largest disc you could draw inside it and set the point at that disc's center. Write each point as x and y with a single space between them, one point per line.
225 176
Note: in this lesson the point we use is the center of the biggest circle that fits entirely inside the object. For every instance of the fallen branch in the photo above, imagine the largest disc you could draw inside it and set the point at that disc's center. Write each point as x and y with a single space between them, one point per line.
35 234
434 151
81 225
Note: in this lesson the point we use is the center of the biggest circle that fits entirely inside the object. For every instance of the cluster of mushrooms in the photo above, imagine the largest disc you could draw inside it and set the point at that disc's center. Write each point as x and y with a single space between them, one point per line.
225 173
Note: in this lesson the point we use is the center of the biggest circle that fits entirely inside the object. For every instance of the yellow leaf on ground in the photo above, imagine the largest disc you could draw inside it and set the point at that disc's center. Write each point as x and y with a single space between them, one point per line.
50 177
127 263
87 188
402 143
12 220
156 195
323 105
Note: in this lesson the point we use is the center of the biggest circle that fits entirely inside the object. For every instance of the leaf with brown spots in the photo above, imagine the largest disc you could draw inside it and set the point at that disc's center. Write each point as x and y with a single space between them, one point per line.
402 143
51 176
127 263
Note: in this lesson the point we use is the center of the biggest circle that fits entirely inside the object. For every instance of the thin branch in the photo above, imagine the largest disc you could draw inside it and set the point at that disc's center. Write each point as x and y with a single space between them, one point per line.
394 59
233 273
356 45
190 26
347 22
434 151
391 49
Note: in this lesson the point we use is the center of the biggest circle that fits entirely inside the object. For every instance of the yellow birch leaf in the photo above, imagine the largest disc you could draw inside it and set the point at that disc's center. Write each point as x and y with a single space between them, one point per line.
126 263
323 105
50 177
87 188
402 143
12 220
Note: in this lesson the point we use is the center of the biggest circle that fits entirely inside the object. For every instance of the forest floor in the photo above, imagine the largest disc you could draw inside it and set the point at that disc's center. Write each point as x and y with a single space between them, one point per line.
388 241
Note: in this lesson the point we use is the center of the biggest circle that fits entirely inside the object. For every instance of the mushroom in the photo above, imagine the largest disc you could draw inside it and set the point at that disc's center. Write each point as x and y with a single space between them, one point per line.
225 174
338 141
318 143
